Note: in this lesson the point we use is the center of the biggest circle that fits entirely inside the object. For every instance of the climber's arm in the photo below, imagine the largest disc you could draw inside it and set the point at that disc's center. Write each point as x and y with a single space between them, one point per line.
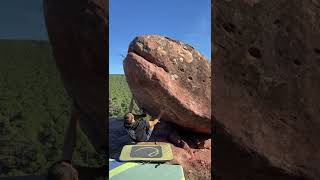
156 120
137 116
153 123
160 114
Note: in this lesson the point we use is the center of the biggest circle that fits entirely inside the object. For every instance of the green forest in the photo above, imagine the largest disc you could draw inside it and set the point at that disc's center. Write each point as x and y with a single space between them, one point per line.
119 96
34 111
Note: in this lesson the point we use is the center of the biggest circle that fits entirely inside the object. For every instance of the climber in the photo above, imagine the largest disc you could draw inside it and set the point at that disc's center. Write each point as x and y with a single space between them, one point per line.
139 130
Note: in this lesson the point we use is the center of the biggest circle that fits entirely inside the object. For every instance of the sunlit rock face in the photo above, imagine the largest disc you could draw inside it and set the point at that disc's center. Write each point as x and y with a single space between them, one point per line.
167 74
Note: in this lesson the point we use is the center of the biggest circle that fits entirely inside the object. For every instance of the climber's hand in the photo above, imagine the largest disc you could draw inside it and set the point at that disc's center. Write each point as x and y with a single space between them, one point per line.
157 121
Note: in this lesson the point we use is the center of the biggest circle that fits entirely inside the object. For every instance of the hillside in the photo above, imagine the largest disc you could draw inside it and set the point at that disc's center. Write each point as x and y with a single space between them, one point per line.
34 110
119 95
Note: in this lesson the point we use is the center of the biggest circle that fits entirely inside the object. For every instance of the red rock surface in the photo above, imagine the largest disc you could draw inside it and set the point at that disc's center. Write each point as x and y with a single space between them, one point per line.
77 32
266 89
166 74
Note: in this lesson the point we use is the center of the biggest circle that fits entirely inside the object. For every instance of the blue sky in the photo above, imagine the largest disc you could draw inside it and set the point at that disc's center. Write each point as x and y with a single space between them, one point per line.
185 20
22 19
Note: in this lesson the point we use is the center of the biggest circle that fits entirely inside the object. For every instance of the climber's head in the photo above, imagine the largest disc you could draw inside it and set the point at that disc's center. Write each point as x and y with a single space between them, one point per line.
129 118
62 170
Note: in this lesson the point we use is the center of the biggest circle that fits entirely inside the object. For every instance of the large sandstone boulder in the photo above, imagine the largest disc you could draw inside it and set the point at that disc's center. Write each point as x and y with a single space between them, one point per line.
166 74
78 32
266 88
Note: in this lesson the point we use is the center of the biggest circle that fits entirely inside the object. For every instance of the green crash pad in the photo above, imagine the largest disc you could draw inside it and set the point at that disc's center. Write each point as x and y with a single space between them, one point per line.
139 171
150 152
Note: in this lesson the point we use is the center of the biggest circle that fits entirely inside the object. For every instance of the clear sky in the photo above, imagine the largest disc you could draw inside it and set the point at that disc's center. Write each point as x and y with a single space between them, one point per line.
22 19
186 20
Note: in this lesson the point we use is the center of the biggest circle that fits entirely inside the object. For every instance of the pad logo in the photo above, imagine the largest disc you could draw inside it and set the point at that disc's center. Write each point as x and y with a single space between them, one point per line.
154 150
146 152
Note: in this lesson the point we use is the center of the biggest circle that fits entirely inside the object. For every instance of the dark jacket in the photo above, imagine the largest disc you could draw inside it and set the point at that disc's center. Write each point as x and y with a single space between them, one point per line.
137 130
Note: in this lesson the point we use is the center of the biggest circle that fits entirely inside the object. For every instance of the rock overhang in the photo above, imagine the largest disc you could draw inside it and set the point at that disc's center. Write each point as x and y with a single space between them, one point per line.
170 72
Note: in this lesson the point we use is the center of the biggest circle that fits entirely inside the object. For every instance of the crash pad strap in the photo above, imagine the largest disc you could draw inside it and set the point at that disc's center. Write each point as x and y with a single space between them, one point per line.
121 168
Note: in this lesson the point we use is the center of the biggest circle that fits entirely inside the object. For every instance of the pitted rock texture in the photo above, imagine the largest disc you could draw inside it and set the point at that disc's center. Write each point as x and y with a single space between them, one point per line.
77 32
266 81
167 74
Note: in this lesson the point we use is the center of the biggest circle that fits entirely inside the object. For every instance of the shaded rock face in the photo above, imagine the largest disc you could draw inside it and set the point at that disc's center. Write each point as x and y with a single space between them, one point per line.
266 82
166 74
78 35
